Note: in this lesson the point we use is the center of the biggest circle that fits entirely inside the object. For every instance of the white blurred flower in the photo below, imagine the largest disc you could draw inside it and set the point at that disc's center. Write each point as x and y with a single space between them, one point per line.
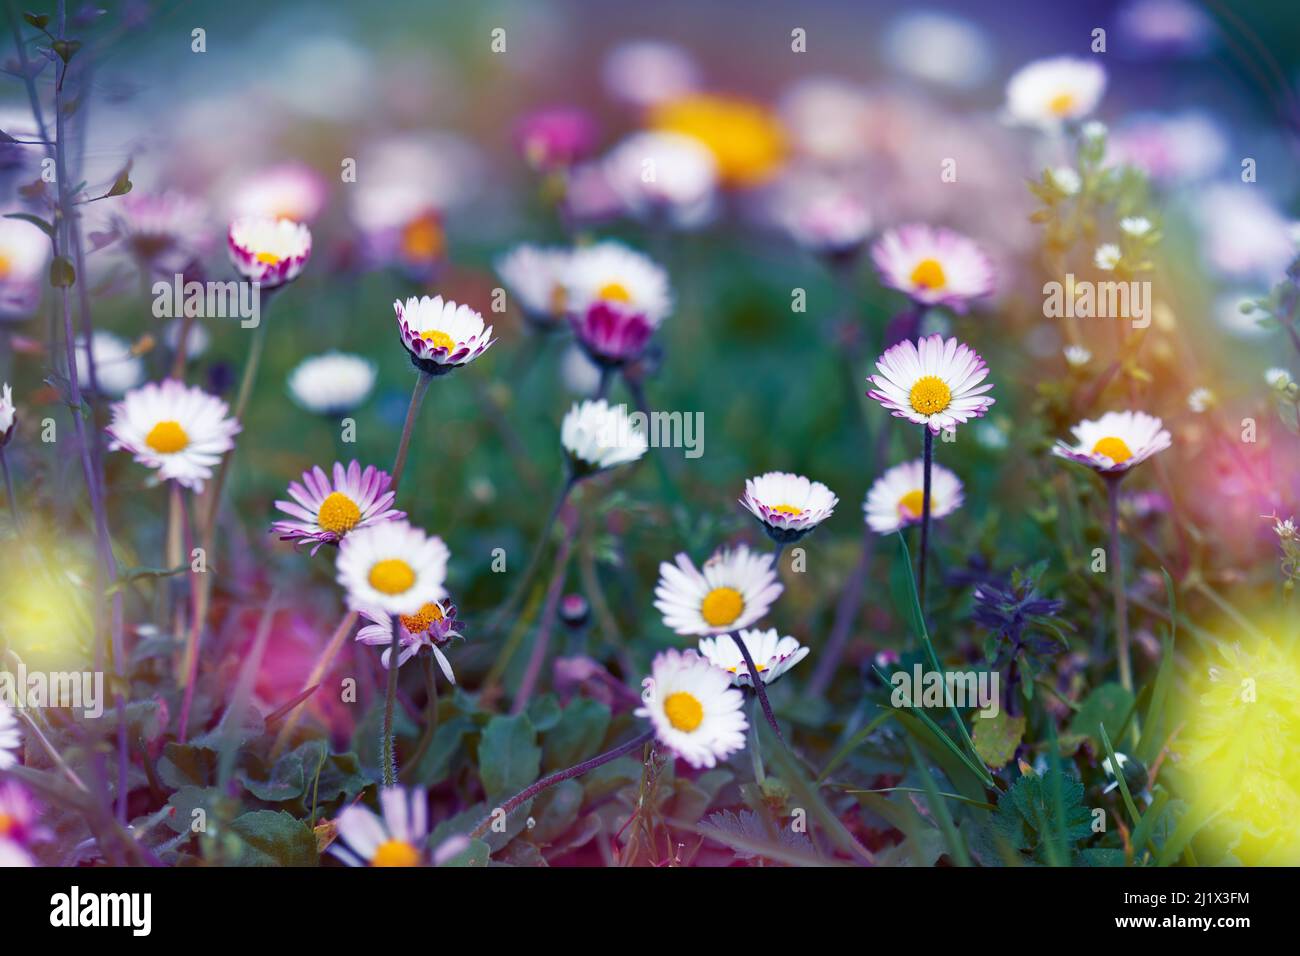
1277 378
598 435
645 72
1076 356
334 383
117 367
939 48
1107 256
1052 91
1244 236
1067 180
1200 400
664 176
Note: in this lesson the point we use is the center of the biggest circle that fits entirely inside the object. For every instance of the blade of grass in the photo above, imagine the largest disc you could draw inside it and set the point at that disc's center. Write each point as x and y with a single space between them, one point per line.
853 743
939 809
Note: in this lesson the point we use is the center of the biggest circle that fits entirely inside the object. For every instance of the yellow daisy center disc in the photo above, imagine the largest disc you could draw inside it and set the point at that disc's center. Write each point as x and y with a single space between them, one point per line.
930 395
422 620
422 239
6 824
912 503
929 274
5 266
684 711
338 513
396 853
722 606
268 258
559 299
614 292
1113 448
1061 104
167 438
439 340
392 576
788 510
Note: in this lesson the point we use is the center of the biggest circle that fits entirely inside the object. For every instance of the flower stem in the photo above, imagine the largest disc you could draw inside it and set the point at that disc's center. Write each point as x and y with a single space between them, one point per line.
542 640
535 560
9 490
390 754
523 796
431 714
1117 586
412 410
759 687
925 517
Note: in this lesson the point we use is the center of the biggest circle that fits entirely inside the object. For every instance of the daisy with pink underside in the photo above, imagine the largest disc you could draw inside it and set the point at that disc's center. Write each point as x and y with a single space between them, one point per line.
268 251
1116 442
788 505
325 510
441 335
933 382
933 266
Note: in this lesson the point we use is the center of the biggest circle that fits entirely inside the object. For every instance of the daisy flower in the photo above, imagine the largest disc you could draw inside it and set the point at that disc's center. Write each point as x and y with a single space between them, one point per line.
932 382
732 590
695 711
831 222
10 739
1076 356
1116 442
333 384
24 251
1200 400
933 266
616 298
433 626
391 566
1049 92
534 275
396 839
117 366
1107 256
773 655
326 511
163 232
271 252
598 435
180 430
664 177
896 499
441 335
290 191
8 414
788 505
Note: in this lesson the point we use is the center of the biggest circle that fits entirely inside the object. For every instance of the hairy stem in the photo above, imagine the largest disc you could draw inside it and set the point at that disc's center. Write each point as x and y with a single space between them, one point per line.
925 517
408 427
759 687
1117 586
541 642
390 754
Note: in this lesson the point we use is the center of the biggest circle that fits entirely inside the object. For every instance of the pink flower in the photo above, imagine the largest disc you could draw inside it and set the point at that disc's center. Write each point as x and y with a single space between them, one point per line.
326 511
555 137
933 266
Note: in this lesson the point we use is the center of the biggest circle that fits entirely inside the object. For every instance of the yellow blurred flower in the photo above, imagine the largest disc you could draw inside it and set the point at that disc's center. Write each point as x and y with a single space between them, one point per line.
746 139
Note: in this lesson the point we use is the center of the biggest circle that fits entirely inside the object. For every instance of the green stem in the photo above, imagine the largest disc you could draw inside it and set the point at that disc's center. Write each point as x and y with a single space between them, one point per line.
1117 586
413 409
390 754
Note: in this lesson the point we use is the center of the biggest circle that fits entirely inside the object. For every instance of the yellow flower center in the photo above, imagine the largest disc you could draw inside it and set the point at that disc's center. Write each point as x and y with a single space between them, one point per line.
7 824
684 711
422 620
614 292
747 141
1061 104
440 340
559 299
722 606
929 274
422 239
5 266
930 395
391 576
788 510
338 513
167 438
268 258
912 503
396 853
1113 448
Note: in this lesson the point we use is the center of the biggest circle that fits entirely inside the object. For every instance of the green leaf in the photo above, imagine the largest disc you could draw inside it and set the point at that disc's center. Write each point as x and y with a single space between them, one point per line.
38 20
509 758
555 810
476 854
273 838
62 275
66 49
1107 705
36 221
577 735
183 765
1027 817
997 737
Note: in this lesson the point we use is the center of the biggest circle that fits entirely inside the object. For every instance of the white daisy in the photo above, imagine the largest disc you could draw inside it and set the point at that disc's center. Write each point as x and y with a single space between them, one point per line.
788 505
933 266
10 737
1107 256
117 367
392 566
24 251
1076 356
598 435
1115 442
534 275
695 711
269 251
8 414
1066 180
1135 225
180 430
325 511
433 626
1049 92
334 383
897 498
772 654
611 273
396 839
439 334
732 590
664 177
290 191
932 382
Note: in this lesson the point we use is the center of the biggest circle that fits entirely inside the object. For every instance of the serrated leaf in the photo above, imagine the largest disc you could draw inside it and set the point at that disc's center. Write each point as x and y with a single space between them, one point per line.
274 838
